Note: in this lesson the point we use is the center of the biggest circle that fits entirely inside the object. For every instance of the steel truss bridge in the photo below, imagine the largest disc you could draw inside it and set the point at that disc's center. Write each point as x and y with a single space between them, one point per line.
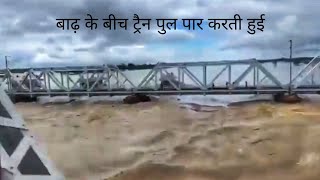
110 80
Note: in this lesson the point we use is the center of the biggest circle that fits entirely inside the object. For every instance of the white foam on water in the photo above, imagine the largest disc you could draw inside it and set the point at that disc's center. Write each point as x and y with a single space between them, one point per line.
57 99
65 99
102 98
220 100
207 100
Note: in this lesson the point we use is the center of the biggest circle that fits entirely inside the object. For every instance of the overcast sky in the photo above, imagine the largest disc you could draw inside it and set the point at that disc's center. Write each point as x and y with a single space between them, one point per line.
28 31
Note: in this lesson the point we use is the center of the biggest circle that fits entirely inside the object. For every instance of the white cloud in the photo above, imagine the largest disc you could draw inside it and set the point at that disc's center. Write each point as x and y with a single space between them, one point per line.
29 27
288 23
120 49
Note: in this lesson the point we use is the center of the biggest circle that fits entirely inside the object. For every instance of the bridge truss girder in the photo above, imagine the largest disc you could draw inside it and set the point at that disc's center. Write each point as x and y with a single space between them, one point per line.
110 80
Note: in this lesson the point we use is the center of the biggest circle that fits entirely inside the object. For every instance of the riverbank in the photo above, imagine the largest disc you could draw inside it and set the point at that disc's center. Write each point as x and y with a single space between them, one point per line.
181 141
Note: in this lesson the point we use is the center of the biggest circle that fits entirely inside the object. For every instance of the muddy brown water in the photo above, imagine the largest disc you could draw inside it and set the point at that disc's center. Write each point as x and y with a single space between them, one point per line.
162 141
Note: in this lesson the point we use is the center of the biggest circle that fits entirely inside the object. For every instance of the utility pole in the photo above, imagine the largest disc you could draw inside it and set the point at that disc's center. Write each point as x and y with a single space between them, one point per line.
290 66
6 58
8 75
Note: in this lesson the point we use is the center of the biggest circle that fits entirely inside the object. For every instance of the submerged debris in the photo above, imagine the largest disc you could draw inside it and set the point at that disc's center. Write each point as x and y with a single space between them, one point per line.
133 99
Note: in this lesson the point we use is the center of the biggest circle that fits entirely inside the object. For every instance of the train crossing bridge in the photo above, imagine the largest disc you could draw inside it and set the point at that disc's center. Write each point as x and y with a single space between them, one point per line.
188 78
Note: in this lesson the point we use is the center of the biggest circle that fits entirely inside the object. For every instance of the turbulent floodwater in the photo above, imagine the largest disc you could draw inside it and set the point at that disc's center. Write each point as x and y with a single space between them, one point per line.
180 140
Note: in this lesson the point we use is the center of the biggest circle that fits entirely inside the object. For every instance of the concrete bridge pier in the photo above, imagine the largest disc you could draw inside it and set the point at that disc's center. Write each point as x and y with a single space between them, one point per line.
287 98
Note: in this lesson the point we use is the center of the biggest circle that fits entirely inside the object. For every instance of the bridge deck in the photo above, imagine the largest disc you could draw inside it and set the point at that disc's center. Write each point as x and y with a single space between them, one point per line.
172 91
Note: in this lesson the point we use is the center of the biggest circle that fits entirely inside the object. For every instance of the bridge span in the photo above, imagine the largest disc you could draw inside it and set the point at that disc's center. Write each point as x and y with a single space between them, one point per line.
251 77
